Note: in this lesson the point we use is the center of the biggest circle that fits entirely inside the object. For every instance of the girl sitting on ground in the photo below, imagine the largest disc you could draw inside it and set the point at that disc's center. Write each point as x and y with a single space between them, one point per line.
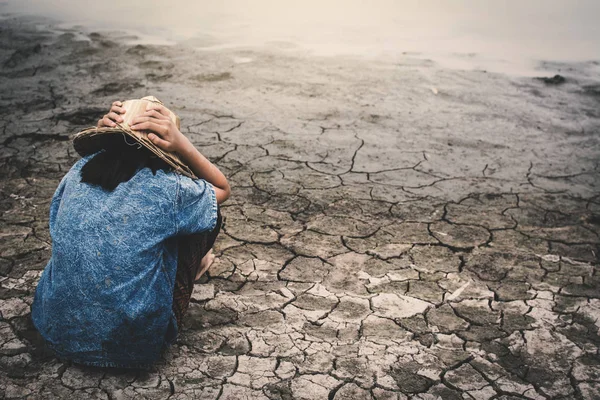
132 226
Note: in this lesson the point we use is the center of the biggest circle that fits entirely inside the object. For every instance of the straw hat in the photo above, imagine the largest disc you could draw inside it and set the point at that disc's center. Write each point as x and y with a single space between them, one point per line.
93 139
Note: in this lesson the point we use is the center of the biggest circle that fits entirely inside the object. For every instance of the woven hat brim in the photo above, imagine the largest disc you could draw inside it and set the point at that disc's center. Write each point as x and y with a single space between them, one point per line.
92 140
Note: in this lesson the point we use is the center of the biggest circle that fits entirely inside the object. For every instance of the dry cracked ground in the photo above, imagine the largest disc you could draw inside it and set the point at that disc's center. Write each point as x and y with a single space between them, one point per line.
397 230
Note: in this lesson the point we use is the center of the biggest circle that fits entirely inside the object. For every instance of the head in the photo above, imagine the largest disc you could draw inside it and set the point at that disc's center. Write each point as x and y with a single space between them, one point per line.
119 162
111 140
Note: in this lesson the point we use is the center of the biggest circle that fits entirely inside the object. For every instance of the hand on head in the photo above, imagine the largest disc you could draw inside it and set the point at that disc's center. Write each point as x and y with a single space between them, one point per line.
164 132
113 116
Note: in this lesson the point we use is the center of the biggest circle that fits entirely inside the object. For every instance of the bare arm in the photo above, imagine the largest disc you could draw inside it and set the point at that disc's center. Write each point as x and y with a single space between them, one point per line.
167 136
204 169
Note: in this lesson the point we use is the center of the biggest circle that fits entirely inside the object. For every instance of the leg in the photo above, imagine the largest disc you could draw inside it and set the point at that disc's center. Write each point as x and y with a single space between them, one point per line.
205 264
194 254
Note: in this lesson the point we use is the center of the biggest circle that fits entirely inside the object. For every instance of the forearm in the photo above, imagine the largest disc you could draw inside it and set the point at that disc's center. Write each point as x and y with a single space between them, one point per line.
206 170
166 135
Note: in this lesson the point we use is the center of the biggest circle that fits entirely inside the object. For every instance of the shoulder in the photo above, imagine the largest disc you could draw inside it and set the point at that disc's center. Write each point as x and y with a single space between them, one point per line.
82 161
163 182
76 168
196 206
196 185
194 189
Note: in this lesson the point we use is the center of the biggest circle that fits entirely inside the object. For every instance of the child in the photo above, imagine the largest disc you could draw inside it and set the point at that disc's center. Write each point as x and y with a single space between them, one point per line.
132 226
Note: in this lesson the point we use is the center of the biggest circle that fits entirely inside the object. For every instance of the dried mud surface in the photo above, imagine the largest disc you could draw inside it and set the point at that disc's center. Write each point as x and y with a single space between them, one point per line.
396 230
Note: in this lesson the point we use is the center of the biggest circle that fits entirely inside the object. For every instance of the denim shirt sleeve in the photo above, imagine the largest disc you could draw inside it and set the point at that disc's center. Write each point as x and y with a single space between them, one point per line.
195 207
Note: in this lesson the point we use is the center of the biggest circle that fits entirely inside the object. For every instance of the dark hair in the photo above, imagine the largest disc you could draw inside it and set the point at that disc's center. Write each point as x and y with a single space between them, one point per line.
119 163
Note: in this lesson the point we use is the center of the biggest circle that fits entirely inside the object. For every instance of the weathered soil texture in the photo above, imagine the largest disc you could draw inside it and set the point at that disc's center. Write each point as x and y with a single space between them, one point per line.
396 230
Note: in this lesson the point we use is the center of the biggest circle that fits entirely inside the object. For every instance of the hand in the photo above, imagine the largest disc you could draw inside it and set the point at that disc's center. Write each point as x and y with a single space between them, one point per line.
113 116
165 133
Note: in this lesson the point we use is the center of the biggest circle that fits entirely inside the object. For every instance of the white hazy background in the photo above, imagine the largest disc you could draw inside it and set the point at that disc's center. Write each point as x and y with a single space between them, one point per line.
506 35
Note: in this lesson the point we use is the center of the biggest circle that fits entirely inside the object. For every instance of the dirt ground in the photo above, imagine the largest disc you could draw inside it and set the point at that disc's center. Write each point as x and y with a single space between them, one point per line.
396 230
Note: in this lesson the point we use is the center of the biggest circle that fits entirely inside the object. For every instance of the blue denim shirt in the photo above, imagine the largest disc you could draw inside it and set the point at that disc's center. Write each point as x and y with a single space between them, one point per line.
105 297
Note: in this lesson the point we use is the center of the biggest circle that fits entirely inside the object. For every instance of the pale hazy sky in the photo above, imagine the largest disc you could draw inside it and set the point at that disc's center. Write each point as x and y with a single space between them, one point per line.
513 30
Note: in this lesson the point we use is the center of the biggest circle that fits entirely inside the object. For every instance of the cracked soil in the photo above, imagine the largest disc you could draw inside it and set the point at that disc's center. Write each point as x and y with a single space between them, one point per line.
384 240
